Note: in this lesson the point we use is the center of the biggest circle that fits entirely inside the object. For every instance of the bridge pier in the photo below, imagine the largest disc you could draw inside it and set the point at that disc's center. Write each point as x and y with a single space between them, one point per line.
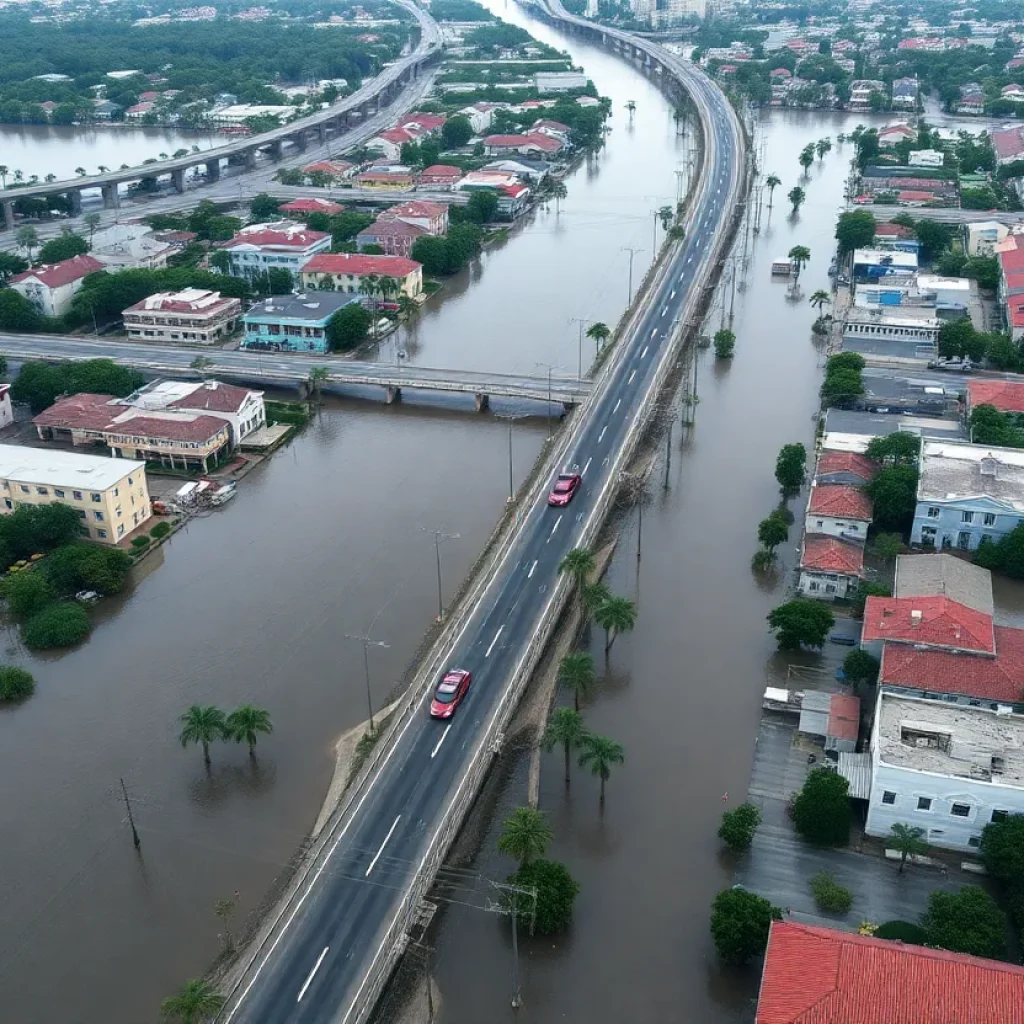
300 141
111 198
275 150
178 181
9 214
250 159
321 132
213 170
483 402
392 394
75 196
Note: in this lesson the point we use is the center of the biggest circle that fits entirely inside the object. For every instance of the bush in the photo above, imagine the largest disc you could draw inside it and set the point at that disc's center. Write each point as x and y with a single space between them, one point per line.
740 922
160 530
901 931
83 566
33 529
1002 849
140 542
27 593
829 895
62 624
556 892
738 826
967 921
821 811
15 683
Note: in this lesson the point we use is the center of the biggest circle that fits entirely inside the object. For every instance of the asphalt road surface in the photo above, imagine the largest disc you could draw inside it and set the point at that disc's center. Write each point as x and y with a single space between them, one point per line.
317 964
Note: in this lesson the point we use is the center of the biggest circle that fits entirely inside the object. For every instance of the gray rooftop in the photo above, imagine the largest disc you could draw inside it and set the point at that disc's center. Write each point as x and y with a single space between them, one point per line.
952 470
312 306
880 424
944 576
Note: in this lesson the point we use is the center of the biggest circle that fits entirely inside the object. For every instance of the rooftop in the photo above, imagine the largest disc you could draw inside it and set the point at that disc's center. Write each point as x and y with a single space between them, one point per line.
958 471
1005 395
48 466
841 500
847 462
168 428
928 621
312 306
56 275
886 258
1009 143
284 234
441 171
950 739
312 205
824 553
197 301
414 208
820 976
357 264
941 575
538 141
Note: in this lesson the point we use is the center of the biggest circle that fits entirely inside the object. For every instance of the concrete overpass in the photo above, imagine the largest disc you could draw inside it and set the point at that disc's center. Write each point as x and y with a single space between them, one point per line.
364 102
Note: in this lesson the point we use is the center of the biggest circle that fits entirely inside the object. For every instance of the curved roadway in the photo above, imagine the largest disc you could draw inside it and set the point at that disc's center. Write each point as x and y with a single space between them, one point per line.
319 961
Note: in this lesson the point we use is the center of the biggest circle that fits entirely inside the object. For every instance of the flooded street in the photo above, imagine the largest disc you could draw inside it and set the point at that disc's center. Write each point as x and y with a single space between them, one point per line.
329 538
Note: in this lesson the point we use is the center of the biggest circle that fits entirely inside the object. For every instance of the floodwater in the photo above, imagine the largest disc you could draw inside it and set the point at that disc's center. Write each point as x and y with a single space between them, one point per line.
59 149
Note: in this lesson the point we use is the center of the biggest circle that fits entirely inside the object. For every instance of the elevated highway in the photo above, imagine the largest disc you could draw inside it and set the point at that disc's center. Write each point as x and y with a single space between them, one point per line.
330 951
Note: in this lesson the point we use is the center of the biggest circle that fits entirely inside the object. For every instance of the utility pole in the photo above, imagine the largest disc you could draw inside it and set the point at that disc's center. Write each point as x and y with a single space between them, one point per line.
367 644
511 417
680 177
654 235
582 321
131 820
509 904
549 367
439 538
632 252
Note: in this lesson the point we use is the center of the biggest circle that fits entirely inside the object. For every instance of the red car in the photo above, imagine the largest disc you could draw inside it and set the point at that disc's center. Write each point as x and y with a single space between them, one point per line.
449 693
565 488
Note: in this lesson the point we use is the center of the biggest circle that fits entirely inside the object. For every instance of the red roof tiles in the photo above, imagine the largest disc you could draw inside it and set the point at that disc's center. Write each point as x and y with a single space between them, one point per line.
819 976
842 501
295 237
311 206
1005 395
356 264
155 428
847 462
538 141
77 412
441 172
823 553
214 396
941 623
56 275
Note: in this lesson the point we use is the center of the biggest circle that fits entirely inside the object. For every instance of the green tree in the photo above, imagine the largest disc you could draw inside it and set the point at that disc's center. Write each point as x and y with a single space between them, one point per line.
482 206
773 181
823 146
888 545
799 256
860 667
933 236
806 157
556 892
908 841
841 388
796 196
348 327
967 921
893 493
64 247
738 826
615 615
821 810
245 723
725 344
740 922
579 565
959 339
263 208
456 132
801 622
820 299
92 221
78 566
772 531
855 230
1002 849
790 467
221 261
576 673
27 593
11 265
27 238
17 314
897 449
62 624
15 683
525 835
203 724
599 754
599 333
565 727
195 1003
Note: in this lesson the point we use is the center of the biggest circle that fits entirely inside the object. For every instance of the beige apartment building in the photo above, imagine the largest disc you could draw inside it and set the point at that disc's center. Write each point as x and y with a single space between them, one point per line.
110 495
194 314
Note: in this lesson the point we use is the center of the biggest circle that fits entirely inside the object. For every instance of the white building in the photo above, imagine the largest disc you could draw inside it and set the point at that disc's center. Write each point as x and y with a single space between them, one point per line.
983 236
926 158
945 768
559 81
51 287
129 246
283 245
873 325
951 293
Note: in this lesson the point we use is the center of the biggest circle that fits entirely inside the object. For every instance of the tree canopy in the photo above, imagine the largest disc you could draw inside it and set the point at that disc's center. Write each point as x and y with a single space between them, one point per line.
897 449
967 921
39 384
801 622
855 230
556 893
63 247
821 810
740 922
893 493
791 466
348 327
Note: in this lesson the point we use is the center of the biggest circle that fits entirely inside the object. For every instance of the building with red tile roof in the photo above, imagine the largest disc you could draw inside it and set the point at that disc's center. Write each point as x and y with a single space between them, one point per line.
431 217
392 181
421 123
845 467
338 169
441 176
51 286
892 231
531 143
820 976
311 205
282 245
830 567
1004 395
928 621
194 315
840 501
1008 144
343 272
395 237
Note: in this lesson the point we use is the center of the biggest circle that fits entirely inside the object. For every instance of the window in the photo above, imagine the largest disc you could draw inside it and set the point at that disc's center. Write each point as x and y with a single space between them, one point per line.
115 492
990 519
58 492
120 530
24 489
998 765
101 534
974 842
98 516
130 481
966 517
888 797
812 586
963 540
97 497
924 803
821 522
8 503
960 810
42 490
81 513
77 495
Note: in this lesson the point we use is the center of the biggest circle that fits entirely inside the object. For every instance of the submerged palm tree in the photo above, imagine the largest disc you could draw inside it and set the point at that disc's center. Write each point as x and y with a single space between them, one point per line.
579 564
600 333
565 727
525 835
245 722
195 1003
615 615
772 181
819 299
599 754
576 672
202 723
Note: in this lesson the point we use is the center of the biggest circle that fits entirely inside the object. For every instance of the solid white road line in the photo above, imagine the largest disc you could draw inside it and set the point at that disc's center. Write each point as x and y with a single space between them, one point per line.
586 467
529 575
631 376
600 437
316 967
555 527
642 354
617 404
376 856
496 635
433 753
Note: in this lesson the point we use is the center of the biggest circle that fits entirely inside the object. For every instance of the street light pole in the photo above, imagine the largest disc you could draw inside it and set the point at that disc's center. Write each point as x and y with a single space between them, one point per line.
367 644
549 367
582 321
632 252
511 417
439 538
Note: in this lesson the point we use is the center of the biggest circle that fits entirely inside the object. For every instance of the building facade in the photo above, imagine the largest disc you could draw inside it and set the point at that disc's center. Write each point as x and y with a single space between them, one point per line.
50 288
111 496
193 314
293 323
344 272
283 245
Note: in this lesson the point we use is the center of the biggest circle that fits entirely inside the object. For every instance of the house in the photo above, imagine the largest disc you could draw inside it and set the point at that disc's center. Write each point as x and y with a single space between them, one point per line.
480 115
513 199
313 205
195 315
344 272
830 568
440 177
292 323
395 237
1013 92
284 245
532 144
967 493
559 81
869 264
896 236
972 99
871 325
861 90
138 111
893 134
486 179
534 171
420 124
819 976
929 621
984 235
779 75
385 181
51 287
838 510
110 495
129 247
338 170
926 158
1008 144
432 218
1004 395
389 143
105 110
553 129
904 93
945 294
845 468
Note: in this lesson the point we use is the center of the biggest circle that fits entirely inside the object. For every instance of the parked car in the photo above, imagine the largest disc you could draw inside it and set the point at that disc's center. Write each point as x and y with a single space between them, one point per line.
450 692
565 489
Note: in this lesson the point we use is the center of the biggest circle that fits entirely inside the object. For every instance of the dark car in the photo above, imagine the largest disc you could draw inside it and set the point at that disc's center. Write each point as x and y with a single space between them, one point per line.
565 488
449 693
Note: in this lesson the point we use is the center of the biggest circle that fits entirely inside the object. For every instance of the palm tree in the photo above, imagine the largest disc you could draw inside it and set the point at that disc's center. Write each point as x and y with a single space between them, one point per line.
369 287
565 727
576 671
387 286
594 595
163 156
81 171
202 723
195 1003
102 168
665 216
4 171
820 298
559 190
50 177
615 615
823 146
631 107
600 333
599 754
27 239
245 722
407 307
799 255
772 181
806 156
907 839
92 222
796 196
579 564
18 176
525 835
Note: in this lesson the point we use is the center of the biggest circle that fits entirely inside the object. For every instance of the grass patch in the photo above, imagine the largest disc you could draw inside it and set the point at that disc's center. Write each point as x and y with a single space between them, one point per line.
366 743
295 414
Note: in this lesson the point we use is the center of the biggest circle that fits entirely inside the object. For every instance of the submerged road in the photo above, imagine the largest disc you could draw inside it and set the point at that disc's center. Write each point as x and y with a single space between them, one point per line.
321 958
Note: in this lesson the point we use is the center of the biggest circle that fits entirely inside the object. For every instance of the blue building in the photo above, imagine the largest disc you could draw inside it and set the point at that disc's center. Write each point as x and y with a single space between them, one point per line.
292 323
